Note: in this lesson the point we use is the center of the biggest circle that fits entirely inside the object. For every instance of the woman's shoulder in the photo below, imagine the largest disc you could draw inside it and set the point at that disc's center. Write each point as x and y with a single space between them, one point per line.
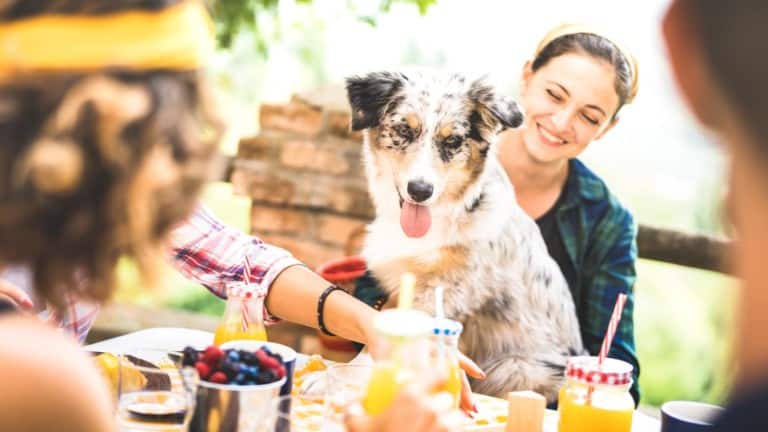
43 371
596 198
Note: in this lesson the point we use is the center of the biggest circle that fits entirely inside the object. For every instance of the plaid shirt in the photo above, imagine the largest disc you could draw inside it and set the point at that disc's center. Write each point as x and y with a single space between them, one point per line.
600 237
202 249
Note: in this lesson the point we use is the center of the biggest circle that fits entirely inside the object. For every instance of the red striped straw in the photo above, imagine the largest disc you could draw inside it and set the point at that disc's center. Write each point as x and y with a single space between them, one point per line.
613 324
246 295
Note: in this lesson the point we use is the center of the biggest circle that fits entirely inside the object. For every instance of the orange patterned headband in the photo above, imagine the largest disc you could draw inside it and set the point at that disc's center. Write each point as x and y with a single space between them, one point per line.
569 29
177 37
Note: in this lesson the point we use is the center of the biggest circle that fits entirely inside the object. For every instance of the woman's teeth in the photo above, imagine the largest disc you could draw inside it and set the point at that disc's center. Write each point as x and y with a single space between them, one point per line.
550 137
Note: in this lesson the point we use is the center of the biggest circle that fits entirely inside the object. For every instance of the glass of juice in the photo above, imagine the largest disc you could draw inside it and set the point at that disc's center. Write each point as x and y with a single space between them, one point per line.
242 319
444 354
346 384
596 398
402 353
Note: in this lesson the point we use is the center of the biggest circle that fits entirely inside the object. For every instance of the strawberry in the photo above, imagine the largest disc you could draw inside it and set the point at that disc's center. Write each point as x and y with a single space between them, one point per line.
203 369
219 378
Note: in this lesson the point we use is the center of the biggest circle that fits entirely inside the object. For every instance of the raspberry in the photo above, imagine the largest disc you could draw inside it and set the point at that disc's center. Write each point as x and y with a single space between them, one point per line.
203 369
266 360
219 378
276 356
213 355
261 355
280 371
271 363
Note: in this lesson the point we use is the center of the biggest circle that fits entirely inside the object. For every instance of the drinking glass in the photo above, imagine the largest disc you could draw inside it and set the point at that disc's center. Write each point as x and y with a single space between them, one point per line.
345 384
154 392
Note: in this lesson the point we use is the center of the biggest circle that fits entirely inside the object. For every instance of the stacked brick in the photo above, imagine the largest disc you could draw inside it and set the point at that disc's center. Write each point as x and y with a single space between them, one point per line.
304 175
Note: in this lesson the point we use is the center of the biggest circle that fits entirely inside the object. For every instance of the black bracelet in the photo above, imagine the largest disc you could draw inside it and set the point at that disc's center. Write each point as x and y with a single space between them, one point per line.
321 304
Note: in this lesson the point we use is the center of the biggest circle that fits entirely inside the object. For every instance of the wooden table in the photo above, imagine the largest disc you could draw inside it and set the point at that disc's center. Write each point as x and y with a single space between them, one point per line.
172 338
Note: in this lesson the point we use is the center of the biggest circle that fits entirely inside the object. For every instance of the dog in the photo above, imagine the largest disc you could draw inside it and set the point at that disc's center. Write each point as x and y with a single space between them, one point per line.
446 212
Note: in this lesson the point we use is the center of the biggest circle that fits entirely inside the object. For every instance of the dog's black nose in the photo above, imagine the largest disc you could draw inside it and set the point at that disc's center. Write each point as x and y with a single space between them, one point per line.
419 190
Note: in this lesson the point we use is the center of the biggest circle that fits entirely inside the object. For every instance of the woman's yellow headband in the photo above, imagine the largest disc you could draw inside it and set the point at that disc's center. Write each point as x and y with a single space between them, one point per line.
177 37
570 29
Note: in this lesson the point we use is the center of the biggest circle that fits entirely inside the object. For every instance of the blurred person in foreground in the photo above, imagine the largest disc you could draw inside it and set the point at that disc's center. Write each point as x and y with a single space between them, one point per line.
107 135
718 54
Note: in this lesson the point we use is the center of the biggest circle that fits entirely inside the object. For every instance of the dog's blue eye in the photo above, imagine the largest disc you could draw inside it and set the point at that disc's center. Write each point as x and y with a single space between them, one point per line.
452 141
403 130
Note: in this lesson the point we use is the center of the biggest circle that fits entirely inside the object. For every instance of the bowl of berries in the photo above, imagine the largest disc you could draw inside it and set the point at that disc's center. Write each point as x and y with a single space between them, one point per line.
238 388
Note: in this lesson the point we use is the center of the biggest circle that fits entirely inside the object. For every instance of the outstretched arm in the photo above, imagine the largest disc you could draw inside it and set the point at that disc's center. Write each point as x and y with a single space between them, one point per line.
206 250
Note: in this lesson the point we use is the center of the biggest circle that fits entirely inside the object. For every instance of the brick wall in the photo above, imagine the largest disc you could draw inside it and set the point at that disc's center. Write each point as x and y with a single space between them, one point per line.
305 178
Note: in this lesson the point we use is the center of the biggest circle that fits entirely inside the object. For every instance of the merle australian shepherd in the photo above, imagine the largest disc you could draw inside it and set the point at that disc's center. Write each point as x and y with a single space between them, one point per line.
446 212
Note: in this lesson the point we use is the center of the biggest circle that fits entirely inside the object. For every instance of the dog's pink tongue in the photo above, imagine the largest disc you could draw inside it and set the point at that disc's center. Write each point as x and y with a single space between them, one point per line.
415 220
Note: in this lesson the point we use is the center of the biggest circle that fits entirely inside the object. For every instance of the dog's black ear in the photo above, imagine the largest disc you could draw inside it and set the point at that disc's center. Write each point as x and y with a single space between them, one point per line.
502 109
369 95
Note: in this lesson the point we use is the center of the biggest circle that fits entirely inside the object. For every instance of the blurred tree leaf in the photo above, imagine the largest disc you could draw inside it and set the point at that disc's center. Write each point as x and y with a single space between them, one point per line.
234 16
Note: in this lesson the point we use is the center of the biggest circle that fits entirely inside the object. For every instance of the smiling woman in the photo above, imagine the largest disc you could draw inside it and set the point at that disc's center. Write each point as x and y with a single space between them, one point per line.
572 91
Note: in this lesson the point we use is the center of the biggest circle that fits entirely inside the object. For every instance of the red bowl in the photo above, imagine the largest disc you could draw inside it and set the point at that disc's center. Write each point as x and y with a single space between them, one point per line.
343 270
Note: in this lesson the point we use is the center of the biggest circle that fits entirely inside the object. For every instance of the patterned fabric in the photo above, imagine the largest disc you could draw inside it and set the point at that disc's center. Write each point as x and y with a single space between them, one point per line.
204 250
599 235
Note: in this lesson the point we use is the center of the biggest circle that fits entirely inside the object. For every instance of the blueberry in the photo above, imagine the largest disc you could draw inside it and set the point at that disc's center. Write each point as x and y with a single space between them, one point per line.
240 379
263 377
243 368
229 368
266 349
253 371
268 375
250 382
248 357
276 356
233 355
190 356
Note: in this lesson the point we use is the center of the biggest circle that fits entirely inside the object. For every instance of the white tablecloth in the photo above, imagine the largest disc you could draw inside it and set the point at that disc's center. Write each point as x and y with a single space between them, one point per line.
172 338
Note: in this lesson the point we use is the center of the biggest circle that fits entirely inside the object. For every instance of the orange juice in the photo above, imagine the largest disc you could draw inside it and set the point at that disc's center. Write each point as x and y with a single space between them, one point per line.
596 399
386 381
402 355
232 329
607 411
242 315
445 346
453 383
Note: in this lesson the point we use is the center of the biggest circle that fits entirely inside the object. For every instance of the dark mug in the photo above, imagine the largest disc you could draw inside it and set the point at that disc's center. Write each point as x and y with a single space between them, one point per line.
685 416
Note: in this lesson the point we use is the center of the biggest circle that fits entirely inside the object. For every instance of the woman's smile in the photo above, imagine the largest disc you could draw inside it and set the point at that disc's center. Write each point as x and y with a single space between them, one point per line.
549 138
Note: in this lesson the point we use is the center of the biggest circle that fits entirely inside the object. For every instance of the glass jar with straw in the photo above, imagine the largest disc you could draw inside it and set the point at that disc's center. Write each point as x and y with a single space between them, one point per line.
242 319
596 397
445 348
402 351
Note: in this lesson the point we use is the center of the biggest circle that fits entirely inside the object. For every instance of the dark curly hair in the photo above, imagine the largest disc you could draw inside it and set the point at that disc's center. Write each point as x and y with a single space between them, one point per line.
96 166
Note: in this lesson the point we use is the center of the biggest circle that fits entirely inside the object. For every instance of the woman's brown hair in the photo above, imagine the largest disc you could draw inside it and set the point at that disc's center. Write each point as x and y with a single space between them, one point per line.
97 165
570 38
